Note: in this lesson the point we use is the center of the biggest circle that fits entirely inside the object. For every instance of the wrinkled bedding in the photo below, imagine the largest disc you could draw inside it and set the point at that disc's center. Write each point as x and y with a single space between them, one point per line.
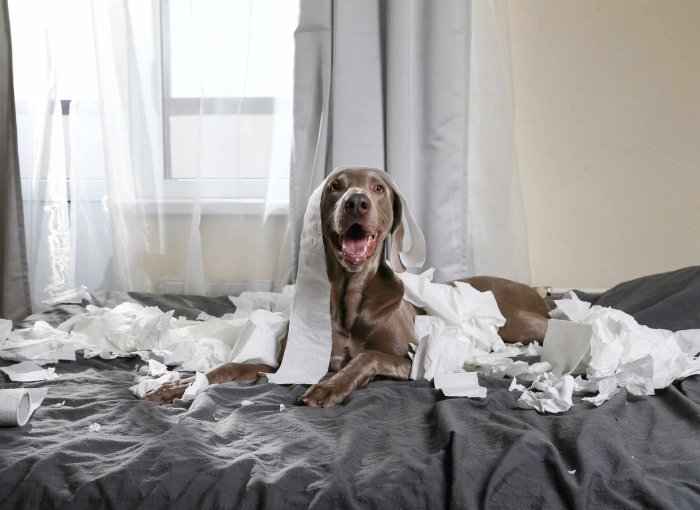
390 445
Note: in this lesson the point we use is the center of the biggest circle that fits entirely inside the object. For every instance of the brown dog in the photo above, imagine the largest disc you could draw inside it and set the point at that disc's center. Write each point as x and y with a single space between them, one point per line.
372 324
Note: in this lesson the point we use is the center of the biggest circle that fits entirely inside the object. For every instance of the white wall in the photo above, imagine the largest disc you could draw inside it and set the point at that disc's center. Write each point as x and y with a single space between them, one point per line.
607 101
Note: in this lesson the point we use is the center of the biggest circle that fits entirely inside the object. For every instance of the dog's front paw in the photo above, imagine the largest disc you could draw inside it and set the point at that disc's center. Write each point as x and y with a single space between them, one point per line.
325 394
169 391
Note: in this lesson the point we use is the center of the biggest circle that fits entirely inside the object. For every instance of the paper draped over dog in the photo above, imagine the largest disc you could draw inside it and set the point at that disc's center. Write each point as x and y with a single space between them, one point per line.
308 350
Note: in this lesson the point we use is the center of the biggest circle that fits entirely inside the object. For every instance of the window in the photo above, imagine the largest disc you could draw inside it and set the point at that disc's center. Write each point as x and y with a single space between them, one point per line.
228 79
225 72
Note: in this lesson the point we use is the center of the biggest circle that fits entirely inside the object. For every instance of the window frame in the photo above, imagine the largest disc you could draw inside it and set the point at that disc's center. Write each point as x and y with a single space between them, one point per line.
216 193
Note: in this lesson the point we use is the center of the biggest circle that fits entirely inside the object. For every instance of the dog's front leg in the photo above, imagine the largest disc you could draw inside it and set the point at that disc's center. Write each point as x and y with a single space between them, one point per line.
169 391
361 369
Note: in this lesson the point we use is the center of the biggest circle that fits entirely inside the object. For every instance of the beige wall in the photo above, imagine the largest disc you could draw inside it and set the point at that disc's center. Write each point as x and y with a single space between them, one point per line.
607 101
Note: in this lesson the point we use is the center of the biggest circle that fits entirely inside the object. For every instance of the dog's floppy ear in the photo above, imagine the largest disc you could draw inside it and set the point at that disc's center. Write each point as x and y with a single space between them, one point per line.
396 234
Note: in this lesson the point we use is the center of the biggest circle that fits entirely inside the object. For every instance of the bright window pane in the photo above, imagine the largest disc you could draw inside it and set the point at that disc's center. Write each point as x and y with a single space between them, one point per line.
250 152
231 48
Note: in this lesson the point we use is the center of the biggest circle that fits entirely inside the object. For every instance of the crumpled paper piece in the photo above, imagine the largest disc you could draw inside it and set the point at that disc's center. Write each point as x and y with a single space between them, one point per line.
27 371
155 375
621 354
41 344
460 384
548 393
460 333
252 334
200 384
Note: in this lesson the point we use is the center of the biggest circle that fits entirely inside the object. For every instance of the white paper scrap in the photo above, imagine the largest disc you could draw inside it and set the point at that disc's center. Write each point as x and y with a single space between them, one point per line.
566 345
27 371
145 384
247 403
156 368
549 393
41 343
460 384
94 427
570 307
200 384
514 386
5 329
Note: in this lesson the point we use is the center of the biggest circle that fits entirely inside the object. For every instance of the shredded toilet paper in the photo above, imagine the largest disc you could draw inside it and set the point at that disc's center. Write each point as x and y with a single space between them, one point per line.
27 371
458 338
613 351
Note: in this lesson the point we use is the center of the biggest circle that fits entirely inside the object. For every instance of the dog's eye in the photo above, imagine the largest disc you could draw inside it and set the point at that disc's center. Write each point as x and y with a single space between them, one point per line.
334 186
379 188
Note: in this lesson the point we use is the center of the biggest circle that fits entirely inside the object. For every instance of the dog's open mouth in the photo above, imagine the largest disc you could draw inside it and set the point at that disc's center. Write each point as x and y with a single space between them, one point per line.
357 245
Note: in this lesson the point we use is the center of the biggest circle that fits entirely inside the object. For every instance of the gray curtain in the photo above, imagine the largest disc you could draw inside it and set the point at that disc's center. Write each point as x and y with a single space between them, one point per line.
14 300
421 89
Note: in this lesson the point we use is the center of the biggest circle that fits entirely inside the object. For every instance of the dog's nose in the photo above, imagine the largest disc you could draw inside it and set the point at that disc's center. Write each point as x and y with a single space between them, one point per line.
357 204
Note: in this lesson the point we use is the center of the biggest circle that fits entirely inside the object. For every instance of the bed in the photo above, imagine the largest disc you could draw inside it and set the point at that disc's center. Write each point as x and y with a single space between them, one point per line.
390 445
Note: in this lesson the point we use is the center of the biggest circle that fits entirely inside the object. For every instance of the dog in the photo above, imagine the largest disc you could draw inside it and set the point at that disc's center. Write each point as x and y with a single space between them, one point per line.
372 325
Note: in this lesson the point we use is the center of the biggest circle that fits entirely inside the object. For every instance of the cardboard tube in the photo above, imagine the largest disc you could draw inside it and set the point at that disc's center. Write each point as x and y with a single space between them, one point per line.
15 407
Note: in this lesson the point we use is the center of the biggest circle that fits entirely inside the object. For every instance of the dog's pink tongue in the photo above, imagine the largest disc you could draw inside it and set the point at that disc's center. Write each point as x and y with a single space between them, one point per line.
354 246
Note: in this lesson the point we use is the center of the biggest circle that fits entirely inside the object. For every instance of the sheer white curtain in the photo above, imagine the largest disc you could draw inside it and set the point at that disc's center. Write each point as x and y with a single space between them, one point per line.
420 88
154 142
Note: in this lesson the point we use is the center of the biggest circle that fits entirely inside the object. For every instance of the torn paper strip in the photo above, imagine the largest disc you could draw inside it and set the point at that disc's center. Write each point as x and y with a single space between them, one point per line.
621 352
460 384
5 329
27 371
200 384
42 344
145 384
567 346
549 393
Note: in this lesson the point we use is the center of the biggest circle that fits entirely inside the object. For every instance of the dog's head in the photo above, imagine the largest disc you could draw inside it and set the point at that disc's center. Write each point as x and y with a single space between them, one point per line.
359 209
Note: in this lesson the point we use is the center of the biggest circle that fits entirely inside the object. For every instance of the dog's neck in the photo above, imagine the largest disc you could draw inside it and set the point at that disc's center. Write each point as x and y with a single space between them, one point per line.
347 288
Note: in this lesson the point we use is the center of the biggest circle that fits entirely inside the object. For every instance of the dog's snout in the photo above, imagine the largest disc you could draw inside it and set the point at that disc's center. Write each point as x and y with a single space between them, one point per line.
357 204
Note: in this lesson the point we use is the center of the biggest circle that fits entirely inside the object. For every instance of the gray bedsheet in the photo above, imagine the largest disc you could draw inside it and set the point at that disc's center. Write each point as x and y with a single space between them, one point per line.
390 445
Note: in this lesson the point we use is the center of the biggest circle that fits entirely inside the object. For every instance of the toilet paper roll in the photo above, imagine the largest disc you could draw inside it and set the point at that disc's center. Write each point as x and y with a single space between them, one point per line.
18 404
567 346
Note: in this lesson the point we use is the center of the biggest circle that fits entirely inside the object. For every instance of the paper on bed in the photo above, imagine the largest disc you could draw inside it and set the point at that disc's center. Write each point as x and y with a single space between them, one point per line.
460 384
260 340
119 331
5 328
145 384
18 404
566 346
41 343
461 331
200 384
27 371
548 393
621 353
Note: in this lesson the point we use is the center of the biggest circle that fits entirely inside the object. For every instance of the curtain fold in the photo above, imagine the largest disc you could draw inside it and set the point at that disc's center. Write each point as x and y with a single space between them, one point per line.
155 141
14 279
421 89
